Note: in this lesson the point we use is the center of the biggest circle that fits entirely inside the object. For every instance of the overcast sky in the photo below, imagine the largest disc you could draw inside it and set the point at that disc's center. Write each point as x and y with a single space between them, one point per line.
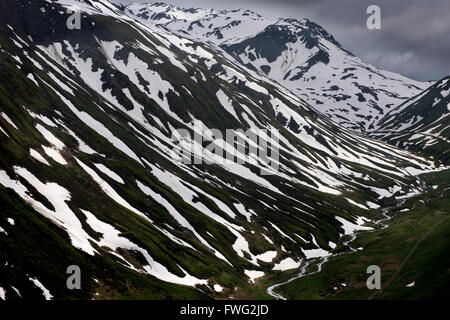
414 39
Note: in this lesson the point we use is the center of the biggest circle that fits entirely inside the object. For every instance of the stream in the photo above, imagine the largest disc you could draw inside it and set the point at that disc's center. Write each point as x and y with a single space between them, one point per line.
305 263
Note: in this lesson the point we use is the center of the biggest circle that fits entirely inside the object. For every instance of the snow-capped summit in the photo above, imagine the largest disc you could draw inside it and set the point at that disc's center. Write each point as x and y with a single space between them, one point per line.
216 26
163 13
298 54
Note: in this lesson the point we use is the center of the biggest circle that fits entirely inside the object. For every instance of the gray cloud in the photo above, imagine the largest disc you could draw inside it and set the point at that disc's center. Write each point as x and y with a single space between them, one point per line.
414 39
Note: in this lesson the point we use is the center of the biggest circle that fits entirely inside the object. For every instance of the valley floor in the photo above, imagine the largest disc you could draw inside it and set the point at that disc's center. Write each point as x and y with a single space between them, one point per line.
414 245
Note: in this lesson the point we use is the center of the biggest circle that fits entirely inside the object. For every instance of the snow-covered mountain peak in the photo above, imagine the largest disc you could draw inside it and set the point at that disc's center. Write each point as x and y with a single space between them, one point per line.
163 13
300 55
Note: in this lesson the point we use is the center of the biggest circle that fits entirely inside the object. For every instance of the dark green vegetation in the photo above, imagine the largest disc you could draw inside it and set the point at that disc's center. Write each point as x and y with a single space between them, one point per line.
428 267
35 247
73 84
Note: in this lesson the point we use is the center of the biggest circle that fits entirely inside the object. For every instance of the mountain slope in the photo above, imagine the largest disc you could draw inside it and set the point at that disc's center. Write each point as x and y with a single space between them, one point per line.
422 123
299 54
89 123
411 253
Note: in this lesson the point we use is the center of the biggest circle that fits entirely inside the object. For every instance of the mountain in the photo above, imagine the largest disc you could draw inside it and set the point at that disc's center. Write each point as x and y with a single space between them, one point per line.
422 123
299 54
90 123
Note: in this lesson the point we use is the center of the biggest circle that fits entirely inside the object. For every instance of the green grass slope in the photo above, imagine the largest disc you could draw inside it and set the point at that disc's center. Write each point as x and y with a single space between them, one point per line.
428 266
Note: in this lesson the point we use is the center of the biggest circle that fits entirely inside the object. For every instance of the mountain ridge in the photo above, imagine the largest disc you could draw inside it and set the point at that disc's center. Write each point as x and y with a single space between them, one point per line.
297 54
88 124
421 124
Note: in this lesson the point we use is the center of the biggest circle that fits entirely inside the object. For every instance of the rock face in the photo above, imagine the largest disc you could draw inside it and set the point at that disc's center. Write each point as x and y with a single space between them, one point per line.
298 54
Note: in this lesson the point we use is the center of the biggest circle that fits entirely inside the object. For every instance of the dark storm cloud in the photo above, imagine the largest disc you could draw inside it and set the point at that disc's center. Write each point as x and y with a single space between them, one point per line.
414 39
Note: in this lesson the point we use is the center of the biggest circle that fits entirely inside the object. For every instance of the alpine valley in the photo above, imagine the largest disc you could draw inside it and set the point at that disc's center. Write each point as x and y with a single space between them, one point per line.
88 125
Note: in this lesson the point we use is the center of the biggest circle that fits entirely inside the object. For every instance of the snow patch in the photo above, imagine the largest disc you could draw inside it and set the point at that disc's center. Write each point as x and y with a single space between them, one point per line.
349 227
109 172
286 264
253 274
38 157
47 295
